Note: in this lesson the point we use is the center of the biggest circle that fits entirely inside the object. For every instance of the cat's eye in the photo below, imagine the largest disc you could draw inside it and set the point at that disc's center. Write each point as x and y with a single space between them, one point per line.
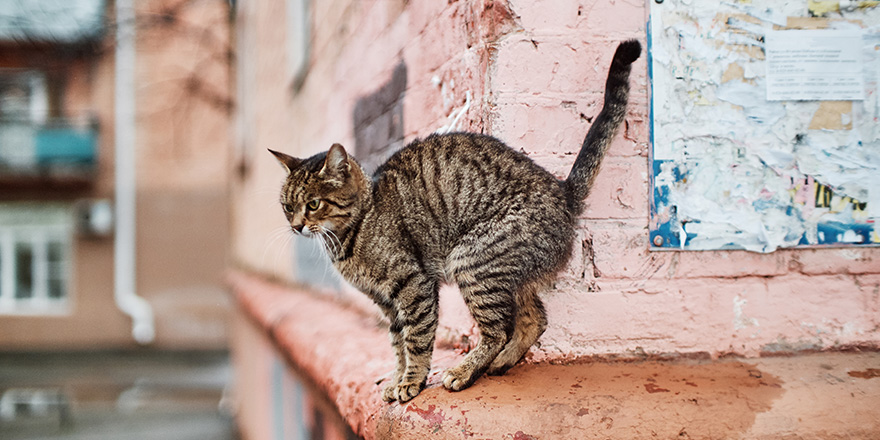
313 205
288 208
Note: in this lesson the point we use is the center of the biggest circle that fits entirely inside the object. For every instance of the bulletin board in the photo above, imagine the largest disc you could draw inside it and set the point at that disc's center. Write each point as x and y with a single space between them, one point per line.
764 124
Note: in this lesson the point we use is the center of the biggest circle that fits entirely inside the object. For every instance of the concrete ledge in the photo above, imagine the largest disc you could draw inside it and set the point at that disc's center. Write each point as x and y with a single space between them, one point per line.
348 356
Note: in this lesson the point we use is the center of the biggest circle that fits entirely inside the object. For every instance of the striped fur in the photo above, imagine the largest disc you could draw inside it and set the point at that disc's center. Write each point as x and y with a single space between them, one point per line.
457 208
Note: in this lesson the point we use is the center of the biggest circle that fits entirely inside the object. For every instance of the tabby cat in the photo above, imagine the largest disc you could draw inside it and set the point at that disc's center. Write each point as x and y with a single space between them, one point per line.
458 208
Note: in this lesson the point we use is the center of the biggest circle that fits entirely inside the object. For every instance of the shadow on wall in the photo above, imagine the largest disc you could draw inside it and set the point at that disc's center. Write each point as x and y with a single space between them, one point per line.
378 133
378 121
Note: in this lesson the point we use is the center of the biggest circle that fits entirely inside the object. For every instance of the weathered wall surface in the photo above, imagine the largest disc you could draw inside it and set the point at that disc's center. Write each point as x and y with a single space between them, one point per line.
532 74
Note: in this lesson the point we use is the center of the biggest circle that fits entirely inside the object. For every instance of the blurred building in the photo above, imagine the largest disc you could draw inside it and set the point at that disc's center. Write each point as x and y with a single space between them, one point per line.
59 222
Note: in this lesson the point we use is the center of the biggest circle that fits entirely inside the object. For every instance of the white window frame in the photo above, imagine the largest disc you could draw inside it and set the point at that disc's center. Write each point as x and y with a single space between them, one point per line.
35 226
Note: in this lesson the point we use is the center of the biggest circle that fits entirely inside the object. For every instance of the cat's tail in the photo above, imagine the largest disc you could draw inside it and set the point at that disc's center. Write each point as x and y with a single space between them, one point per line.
604 127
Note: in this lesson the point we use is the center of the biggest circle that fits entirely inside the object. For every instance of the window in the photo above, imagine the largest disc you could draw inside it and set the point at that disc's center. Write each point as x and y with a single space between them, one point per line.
35 242
23 108
23 95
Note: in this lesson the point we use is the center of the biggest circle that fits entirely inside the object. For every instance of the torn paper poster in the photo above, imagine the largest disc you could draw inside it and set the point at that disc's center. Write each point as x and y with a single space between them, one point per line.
764 135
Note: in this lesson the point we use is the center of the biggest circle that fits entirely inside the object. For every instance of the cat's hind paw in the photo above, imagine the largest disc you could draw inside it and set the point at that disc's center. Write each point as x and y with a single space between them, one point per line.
499 368
458 378
503 362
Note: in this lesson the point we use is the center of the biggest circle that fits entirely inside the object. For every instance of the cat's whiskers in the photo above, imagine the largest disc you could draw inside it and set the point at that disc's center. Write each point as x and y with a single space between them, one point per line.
329 241
320 254
334 240
285 245
280 233
323 241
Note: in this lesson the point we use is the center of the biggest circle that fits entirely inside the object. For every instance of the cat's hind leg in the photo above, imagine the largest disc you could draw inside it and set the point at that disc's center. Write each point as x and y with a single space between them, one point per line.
494 313
500 267
531 321
487 283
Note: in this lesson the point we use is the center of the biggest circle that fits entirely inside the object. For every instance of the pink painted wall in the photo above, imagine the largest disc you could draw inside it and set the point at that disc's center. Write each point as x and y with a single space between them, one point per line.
535 72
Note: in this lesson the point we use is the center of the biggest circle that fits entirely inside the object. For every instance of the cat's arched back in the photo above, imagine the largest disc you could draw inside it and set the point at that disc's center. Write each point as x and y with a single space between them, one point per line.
461 208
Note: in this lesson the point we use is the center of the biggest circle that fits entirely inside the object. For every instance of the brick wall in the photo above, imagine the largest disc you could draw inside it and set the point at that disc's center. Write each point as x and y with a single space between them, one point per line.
532 74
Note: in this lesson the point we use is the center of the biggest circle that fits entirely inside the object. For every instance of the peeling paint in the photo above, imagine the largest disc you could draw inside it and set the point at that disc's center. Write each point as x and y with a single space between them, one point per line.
653 388
740 321
429 415
870 373
782 345
454 117
519 435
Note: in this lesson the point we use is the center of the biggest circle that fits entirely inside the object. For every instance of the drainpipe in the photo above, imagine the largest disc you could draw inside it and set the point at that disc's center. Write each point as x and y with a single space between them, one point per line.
143 327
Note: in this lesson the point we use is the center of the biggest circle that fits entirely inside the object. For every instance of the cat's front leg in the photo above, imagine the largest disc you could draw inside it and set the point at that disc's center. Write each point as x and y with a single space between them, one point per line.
417 317
389 394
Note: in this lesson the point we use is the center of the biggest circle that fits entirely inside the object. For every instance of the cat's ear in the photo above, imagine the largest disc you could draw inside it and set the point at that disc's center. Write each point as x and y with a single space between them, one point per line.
336 164
289 163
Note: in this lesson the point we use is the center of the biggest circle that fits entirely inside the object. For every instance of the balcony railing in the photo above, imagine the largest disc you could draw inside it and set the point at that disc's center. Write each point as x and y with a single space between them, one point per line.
56 152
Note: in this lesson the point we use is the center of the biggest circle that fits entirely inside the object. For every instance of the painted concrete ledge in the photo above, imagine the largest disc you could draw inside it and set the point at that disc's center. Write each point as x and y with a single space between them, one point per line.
811 396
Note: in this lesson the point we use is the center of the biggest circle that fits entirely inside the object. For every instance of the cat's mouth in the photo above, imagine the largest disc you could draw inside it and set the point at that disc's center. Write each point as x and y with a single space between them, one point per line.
303 230
325 236
310 230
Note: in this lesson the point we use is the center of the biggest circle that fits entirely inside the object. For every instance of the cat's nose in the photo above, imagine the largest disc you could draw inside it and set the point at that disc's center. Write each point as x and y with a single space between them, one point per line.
297 228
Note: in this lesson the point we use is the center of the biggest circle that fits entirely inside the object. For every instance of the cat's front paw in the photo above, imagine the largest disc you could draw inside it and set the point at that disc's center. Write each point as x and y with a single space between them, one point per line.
389 394
405 391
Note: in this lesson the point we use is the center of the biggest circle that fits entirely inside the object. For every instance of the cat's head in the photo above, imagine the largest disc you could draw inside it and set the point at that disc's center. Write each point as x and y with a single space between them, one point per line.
322 193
